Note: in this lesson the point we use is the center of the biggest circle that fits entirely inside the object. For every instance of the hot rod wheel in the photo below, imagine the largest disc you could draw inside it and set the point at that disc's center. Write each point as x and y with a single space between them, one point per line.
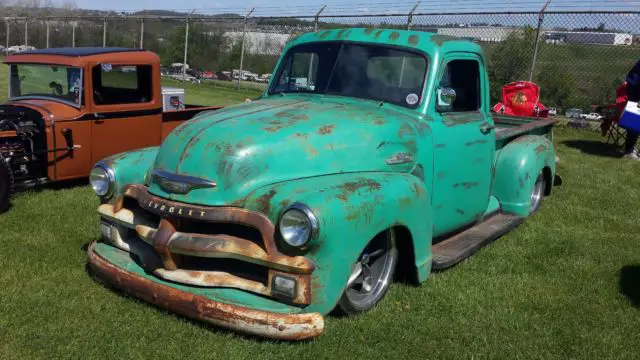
6 184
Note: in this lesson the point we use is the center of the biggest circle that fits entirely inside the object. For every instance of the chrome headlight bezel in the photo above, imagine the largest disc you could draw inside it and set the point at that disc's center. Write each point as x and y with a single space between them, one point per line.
299 209
110 176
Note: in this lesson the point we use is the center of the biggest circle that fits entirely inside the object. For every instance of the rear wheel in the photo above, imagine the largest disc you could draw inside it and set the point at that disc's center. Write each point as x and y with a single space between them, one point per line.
6 185
371 275
537 193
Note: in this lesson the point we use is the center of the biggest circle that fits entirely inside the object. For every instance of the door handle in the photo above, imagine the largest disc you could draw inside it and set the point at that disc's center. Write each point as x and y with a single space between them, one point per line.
485 127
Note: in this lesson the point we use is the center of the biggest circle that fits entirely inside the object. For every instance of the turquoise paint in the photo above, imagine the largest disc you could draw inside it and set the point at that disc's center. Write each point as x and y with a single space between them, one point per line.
331 154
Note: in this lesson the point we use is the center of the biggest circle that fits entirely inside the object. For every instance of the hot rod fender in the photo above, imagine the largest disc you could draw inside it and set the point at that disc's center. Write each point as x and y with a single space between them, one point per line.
516 169
351 209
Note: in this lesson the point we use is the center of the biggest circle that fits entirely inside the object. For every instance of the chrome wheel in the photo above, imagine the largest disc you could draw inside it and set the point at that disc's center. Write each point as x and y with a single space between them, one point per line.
371 275
537 193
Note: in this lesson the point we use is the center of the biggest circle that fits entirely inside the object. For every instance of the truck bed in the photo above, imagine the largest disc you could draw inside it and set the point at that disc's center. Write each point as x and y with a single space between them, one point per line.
510 127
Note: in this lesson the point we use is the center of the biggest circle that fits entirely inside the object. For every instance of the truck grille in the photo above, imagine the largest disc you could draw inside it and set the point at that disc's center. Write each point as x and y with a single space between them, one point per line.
204 246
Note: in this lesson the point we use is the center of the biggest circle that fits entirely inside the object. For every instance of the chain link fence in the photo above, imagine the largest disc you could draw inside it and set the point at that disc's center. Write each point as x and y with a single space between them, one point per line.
579 60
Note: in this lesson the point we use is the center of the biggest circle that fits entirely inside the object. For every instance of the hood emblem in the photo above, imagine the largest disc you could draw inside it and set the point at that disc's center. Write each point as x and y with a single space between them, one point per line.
179 184
399 158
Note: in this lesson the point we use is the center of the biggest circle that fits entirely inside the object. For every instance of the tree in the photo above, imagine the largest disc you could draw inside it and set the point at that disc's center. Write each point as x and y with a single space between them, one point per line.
557 87
510 60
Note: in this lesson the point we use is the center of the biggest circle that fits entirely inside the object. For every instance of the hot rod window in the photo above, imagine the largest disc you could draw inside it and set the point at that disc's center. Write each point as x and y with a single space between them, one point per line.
121 84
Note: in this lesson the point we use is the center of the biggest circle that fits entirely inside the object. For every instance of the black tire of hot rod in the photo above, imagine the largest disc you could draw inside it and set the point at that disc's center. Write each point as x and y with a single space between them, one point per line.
6 184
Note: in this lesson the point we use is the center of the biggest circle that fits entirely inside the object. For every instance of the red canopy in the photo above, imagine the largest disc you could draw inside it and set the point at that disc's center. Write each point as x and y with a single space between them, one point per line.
520 98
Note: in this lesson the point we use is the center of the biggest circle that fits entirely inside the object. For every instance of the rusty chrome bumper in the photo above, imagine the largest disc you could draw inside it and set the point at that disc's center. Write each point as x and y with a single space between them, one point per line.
256 322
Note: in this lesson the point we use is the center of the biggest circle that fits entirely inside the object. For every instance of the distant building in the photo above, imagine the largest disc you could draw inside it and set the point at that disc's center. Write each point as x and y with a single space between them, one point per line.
483 34
580 37
260 43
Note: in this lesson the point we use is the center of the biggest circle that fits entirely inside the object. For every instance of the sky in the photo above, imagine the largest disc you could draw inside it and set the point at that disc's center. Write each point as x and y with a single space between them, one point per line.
297 7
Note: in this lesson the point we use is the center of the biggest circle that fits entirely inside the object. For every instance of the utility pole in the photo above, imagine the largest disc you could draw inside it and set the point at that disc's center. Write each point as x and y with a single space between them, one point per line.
244 31
186 44
316 20
410 17
141 32
73 33
6 20
535 48
47 23
26 31
104 32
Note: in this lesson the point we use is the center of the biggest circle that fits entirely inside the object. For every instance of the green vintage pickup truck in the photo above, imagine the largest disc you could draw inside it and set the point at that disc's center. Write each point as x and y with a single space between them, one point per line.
372 153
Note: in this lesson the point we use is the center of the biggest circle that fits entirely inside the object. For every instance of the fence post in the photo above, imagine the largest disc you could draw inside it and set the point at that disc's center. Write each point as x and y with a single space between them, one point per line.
317 18
535 48
26 31
104 32
47 24
186 43
73 33
6 20
141 32
410 16
244 30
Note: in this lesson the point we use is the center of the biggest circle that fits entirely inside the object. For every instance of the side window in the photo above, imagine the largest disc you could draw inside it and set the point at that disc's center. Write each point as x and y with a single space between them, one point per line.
122 84
300 73
463 76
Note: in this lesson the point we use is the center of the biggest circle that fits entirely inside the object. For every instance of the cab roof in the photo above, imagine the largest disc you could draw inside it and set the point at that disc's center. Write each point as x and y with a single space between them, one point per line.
425 41
80 56
78 51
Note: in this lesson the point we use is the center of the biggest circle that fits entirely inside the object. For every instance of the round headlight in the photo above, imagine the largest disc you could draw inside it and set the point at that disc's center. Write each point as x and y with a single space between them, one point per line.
102 180
298 225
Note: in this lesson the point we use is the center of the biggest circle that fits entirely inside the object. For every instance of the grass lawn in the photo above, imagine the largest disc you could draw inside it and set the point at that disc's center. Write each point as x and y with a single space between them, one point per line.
565 284
553 288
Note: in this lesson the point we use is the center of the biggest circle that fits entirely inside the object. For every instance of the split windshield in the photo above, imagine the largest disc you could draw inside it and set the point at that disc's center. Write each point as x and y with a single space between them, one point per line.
63 83
355 70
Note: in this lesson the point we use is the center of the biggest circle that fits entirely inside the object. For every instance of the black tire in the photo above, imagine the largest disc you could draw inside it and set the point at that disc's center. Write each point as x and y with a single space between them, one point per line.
357 297
6 184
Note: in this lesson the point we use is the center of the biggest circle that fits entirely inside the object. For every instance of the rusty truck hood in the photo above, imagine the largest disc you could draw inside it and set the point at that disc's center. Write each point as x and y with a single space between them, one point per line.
245 147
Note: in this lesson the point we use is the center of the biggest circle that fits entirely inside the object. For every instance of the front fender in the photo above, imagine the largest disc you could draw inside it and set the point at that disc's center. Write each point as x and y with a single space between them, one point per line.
517 167
351 209
131 167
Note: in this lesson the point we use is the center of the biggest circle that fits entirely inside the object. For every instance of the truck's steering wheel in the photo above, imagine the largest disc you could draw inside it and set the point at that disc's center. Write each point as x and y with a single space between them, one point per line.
56 88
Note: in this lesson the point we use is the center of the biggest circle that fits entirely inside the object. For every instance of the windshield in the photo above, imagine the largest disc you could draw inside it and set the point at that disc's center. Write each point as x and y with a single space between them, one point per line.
356 70
62 83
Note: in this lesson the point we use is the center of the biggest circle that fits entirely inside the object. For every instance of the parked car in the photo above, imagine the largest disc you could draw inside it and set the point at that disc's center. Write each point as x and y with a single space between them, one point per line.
591 116
573 113
552 111
224 75
56 126
216 224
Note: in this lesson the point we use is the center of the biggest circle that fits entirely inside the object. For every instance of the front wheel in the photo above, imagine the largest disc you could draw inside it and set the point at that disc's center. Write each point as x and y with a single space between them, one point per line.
6 185
371 275
537 193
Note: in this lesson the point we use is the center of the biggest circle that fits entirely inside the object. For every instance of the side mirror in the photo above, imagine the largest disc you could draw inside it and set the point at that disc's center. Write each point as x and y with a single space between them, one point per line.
446 97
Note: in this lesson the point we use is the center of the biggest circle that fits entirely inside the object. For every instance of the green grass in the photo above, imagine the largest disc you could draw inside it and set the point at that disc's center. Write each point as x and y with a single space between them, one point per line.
549 289
553 288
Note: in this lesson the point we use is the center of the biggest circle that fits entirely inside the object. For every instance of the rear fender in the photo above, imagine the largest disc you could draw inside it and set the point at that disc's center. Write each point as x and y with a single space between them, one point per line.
351 209
517 167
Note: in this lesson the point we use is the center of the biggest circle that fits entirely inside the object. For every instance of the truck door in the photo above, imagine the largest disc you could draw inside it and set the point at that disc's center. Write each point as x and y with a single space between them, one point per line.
464 145
127 109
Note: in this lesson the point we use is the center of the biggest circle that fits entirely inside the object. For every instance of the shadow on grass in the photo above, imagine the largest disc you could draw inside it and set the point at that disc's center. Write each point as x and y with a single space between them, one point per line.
593 147
200 324
629 284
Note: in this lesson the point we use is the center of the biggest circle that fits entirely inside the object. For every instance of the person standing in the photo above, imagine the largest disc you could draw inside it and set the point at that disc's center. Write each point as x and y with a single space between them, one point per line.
632 90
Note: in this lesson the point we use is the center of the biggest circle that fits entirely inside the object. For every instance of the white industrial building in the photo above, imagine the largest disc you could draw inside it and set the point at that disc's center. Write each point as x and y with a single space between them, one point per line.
483 34
261 43
582 37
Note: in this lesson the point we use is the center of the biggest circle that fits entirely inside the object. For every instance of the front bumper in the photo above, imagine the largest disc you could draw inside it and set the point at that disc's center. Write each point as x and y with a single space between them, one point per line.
285 326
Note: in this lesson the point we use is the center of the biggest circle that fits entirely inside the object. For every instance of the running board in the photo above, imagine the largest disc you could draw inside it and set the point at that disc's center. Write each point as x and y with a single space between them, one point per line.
450 251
